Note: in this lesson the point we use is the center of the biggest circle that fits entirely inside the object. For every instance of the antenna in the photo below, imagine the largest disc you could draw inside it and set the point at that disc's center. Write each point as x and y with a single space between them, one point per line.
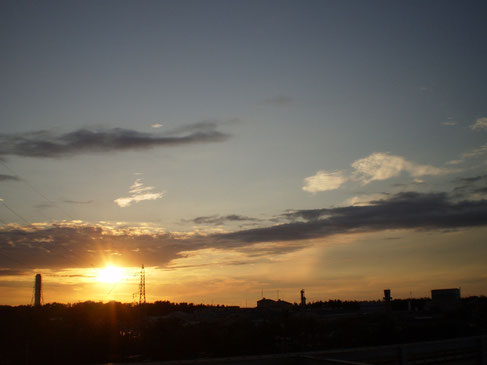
142 286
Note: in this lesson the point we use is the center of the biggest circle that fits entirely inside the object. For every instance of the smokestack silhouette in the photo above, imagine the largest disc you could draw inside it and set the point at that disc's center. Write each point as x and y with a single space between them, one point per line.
303 298
387 300
38 291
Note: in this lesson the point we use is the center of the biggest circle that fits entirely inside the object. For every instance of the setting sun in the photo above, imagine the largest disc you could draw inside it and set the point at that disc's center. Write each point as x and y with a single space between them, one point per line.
110 274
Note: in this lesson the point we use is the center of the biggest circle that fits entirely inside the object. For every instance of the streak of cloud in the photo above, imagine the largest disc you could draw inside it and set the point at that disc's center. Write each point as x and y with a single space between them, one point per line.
474 153
278 100
50 144
474 187
9 178
78 201
364 199
220 220
139 192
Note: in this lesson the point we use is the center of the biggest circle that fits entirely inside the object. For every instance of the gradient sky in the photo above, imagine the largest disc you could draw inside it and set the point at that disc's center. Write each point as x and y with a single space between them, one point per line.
241 147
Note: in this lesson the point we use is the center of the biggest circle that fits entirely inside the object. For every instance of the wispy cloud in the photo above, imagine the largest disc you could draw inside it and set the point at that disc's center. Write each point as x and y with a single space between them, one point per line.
139 192
476 152
220 220
78 201
9 178
449 123
365 199
50 144
480 124
156 125
278 100
44 205
472 179
473 188
383 166
12 272
324 180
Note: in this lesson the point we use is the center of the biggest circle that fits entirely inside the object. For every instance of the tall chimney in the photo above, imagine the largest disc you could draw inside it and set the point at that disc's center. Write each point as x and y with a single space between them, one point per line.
387 300
38 291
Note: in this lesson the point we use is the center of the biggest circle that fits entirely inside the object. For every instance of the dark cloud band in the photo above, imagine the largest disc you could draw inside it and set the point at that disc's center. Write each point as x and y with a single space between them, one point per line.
409 210
76 246
50 144
219 220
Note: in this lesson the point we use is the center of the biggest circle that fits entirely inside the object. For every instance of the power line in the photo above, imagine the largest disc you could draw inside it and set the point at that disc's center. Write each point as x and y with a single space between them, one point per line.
14 212
37 191
23 264
65 257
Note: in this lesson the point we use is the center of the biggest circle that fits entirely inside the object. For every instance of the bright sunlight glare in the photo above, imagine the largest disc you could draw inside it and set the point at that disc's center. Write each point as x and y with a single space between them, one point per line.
110 274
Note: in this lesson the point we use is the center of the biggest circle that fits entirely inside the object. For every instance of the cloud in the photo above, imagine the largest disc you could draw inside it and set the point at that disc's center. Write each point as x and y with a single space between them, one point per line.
449 123
204 126
12 272
9 178
476 152
480 124
383 166
473 188
138 192
44 205
156 125
83 245
324 180
220 220
77 245
376 166
409 210
78 201
364 199
49 144
279 100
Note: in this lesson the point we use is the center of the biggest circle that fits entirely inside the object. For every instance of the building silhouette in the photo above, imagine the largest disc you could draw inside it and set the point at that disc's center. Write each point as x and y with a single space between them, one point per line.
445 299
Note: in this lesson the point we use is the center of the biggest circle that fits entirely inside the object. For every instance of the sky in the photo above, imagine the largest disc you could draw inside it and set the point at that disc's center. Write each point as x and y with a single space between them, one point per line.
240 149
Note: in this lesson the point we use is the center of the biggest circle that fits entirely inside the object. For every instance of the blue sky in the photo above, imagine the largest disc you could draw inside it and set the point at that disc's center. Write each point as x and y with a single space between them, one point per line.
203 118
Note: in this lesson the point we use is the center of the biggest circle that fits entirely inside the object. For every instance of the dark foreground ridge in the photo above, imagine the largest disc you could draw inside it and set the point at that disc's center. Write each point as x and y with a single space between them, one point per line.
90 333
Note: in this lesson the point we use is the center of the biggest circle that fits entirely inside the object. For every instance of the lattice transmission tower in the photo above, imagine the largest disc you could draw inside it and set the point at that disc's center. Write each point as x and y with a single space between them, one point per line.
142 286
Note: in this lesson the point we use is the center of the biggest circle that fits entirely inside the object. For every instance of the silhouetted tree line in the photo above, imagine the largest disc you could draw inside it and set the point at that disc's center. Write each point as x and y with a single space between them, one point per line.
92 332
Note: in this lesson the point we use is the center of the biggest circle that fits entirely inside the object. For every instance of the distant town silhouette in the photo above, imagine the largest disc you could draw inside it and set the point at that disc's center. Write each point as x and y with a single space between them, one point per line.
96 332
